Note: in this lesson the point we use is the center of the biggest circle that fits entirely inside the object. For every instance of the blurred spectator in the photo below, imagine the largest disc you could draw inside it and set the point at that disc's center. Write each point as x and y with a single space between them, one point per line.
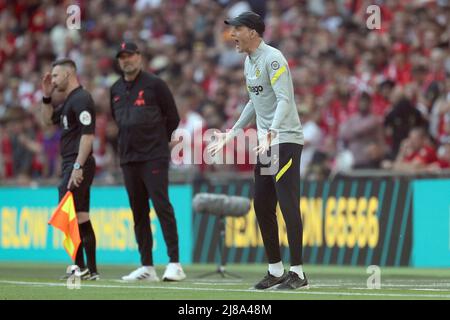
312 134
50 143
362 135
444 156
321 163
440 114
416 152
398 123
190 130
404 67
400 69
20 146
381 99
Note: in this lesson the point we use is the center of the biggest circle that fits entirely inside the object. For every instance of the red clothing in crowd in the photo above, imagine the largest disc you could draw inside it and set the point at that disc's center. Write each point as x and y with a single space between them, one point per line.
425 155
443 164
401 74
7 154
380 105
337 113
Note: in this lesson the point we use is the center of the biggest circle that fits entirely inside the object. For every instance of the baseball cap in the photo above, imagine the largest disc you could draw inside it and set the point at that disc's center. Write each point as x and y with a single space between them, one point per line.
129 47
249 19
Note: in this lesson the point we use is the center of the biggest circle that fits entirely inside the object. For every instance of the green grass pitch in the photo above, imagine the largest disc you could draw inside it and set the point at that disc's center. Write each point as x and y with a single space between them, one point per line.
40 281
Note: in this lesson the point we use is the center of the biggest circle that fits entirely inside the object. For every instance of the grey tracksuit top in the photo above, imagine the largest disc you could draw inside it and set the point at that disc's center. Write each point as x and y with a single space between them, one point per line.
271 92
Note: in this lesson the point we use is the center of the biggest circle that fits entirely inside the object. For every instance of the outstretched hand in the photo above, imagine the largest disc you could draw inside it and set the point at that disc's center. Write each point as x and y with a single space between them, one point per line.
220 139
264 145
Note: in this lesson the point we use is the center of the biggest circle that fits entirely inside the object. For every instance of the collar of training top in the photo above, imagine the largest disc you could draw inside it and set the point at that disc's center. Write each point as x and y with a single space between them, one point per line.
138 76
255 54
71 93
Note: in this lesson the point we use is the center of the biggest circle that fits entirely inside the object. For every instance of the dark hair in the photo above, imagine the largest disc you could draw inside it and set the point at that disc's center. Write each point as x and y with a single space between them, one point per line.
365 95
65 62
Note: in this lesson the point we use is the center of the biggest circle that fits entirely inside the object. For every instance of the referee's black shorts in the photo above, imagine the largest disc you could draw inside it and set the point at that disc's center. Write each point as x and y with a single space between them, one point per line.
81 195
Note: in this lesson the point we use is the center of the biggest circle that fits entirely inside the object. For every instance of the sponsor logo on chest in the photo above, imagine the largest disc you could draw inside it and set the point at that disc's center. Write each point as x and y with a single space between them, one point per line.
140 101
255 89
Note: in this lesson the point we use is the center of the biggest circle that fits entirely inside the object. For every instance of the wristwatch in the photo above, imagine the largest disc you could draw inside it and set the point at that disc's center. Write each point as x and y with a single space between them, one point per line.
77 166
46 100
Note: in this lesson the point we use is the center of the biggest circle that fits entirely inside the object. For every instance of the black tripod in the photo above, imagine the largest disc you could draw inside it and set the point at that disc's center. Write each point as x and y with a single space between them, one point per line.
221 267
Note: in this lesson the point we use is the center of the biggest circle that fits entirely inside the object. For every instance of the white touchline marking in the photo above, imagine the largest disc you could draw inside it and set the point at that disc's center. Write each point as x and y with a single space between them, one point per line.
384 285
220 283
426 284
199 280
413 295
394 288
429 289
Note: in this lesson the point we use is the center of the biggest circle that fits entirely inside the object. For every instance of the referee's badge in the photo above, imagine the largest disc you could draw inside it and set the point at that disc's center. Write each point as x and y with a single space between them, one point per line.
275 65
85 118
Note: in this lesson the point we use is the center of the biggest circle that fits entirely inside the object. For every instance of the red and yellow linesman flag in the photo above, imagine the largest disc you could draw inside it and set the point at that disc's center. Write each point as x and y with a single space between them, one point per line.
65 219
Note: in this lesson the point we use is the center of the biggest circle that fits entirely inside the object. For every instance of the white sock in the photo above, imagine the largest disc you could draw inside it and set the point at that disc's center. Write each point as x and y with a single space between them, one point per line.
298 270
174 264
276 269
149 268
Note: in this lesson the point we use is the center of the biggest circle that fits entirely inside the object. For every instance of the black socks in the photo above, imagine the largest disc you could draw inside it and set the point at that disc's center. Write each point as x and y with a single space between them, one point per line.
88 242
79 258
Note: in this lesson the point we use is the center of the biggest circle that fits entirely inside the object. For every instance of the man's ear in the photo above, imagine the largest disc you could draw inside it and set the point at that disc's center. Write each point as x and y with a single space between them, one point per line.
67 75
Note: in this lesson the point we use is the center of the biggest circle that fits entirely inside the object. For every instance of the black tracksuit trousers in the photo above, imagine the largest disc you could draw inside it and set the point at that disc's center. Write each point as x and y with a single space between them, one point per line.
282 186
144 180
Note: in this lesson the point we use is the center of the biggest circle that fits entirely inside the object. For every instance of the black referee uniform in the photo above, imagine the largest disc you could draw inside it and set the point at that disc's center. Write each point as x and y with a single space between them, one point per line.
146 114
76 117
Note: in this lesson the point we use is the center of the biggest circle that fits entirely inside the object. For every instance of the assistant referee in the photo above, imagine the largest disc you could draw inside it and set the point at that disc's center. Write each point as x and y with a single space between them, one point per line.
76 116
280 135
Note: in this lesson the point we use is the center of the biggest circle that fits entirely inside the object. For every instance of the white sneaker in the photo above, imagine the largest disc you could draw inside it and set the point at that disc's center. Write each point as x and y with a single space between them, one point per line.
174 272
142 273
74 270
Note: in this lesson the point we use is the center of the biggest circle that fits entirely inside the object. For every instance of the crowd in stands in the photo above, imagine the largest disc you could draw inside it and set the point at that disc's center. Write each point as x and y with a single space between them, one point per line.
367 98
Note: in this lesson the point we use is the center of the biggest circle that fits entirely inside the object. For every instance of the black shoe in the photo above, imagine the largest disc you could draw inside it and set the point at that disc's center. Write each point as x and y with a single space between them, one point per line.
83 272
91 276
293 282
269 281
